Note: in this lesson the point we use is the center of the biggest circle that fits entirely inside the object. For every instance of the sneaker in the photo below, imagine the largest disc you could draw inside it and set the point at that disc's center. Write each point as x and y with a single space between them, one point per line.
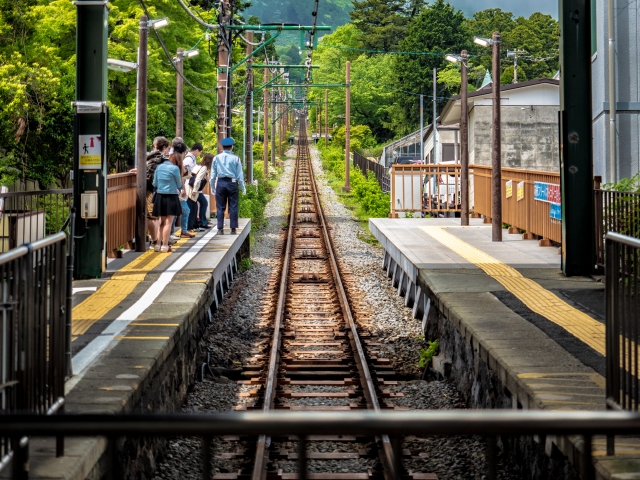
169 250
200 229
233 231
173 240
186 235
164 249
207 226
157 247
193 232
152 244
220 231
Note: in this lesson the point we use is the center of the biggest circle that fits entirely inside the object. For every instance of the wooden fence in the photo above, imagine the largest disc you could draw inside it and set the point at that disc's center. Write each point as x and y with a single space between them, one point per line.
365 165
121 211
520 208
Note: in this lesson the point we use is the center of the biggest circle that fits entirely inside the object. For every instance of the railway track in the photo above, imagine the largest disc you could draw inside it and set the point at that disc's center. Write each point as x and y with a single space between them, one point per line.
320 357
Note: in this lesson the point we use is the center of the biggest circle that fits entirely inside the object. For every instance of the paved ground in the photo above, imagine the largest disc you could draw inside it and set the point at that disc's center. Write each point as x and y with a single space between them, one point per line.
132 331
542 333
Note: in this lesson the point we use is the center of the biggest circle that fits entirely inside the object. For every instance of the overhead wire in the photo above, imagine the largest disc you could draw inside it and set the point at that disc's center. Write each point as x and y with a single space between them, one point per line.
169 57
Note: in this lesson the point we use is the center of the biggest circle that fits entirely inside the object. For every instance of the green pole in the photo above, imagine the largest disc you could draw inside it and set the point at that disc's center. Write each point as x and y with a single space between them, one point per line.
576 165
90 139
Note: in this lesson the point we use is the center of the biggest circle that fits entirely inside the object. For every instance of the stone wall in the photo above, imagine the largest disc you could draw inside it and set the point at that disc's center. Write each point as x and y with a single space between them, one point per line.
533 457
529 137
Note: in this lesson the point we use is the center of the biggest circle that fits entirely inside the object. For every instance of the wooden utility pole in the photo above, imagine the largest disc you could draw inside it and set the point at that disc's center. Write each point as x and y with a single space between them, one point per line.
347 120
248 113
464 141
496 163
224 58
265 109
179 94
141 139
326 117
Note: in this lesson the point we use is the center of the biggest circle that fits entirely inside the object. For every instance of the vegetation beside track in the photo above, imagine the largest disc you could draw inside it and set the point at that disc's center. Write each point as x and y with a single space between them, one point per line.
252 205
366 199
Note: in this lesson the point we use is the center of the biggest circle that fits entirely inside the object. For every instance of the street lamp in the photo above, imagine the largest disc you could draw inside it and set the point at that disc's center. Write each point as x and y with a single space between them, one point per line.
159 23
121 65
464 135
496 164
180 88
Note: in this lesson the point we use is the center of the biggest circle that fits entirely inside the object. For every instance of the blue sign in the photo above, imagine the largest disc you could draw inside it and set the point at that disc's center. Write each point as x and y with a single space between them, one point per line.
540 191
555 211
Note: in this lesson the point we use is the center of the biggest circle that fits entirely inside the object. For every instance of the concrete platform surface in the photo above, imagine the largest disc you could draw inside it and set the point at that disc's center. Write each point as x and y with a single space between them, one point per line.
135 336
539 333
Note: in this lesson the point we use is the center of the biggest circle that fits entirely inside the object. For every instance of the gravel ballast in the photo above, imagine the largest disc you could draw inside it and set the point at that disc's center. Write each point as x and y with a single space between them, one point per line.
235 331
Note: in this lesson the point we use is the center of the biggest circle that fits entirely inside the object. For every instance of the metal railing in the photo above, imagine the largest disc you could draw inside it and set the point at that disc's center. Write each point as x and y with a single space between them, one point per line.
34 327
615 212
622 323
365 165
29 216
425 188
488 423
121 211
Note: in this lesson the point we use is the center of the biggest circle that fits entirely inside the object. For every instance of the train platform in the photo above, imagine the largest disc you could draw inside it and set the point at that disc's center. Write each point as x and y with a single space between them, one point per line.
135 340
517 332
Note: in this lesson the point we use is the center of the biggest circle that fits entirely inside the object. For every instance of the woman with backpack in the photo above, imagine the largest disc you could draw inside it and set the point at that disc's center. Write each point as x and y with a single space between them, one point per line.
167 181
198 180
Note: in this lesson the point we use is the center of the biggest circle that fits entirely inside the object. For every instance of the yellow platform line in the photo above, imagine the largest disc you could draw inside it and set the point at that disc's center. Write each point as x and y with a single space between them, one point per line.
533 295
115 290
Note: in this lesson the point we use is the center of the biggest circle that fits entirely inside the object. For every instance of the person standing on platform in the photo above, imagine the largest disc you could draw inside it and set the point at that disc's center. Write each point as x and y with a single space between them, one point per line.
226 177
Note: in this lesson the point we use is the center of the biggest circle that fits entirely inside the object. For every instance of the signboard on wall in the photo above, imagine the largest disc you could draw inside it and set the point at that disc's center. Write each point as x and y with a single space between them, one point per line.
509 188
550 193
520 191
90 152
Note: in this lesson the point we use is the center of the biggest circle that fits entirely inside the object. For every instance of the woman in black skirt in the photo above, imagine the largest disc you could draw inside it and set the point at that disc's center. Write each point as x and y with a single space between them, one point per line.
167 182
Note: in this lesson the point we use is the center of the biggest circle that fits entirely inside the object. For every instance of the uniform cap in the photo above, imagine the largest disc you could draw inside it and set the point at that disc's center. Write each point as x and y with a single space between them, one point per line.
227 142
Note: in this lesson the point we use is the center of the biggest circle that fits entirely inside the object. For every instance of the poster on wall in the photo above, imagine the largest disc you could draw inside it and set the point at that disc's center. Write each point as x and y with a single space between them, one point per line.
520 192
546 192
90 152
509 188
555 211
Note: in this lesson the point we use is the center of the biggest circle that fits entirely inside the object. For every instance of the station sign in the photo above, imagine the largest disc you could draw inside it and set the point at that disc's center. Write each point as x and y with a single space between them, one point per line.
550 193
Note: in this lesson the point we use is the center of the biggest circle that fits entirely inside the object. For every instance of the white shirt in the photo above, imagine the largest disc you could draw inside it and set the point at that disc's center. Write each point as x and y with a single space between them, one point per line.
189 162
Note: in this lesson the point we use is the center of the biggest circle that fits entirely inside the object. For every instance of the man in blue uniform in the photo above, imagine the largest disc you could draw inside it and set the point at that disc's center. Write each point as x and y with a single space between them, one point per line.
226 178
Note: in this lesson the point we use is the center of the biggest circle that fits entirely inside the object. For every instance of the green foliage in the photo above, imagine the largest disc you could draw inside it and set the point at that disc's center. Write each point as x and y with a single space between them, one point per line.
253 203
361 137
507 75
426 354
245 264
365 191
622 215
625 185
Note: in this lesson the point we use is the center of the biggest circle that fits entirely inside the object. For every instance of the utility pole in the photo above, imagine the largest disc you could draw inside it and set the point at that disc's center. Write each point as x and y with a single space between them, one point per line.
141 138
179 94
224 58
435 123
90 139
421 127
464 141
576 155
613 97
496 162
266 124
274 112
326 117
347 119
248 113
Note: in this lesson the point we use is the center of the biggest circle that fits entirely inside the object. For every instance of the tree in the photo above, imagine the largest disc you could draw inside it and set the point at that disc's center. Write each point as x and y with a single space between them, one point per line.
439 29
384 22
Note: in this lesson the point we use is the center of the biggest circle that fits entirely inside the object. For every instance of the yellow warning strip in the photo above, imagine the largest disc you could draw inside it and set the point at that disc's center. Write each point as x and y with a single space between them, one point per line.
536 298
115 290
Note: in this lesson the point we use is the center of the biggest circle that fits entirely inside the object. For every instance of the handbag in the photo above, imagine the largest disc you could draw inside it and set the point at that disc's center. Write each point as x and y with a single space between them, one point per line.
192 181
153 197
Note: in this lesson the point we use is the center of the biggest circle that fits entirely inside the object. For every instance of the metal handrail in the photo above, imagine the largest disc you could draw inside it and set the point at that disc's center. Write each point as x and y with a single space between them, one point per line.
37 245
366 423
624 239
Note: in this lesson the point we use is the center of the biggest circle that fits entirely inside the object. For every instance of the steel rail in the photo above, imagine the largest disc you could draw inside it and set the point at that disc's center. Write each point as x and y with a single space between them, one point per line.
259 472
389 456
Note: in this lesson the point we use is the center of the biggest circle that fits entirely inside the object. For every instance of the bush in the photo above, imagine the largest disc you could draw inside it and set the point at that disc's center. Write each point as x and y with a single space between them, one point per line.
371 200
253 203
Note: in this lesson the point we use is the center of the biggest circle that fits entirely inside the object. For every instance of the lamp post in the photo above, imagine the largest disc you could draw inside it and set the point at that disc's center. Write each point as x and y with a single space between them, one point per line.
141 131
496 165
179 59
464 135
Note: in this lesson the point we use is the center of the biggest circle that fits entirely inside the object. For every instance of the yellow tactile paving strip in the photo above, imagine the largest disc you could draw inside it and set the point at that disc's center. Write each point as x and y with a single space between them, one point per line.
538 299
115 290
